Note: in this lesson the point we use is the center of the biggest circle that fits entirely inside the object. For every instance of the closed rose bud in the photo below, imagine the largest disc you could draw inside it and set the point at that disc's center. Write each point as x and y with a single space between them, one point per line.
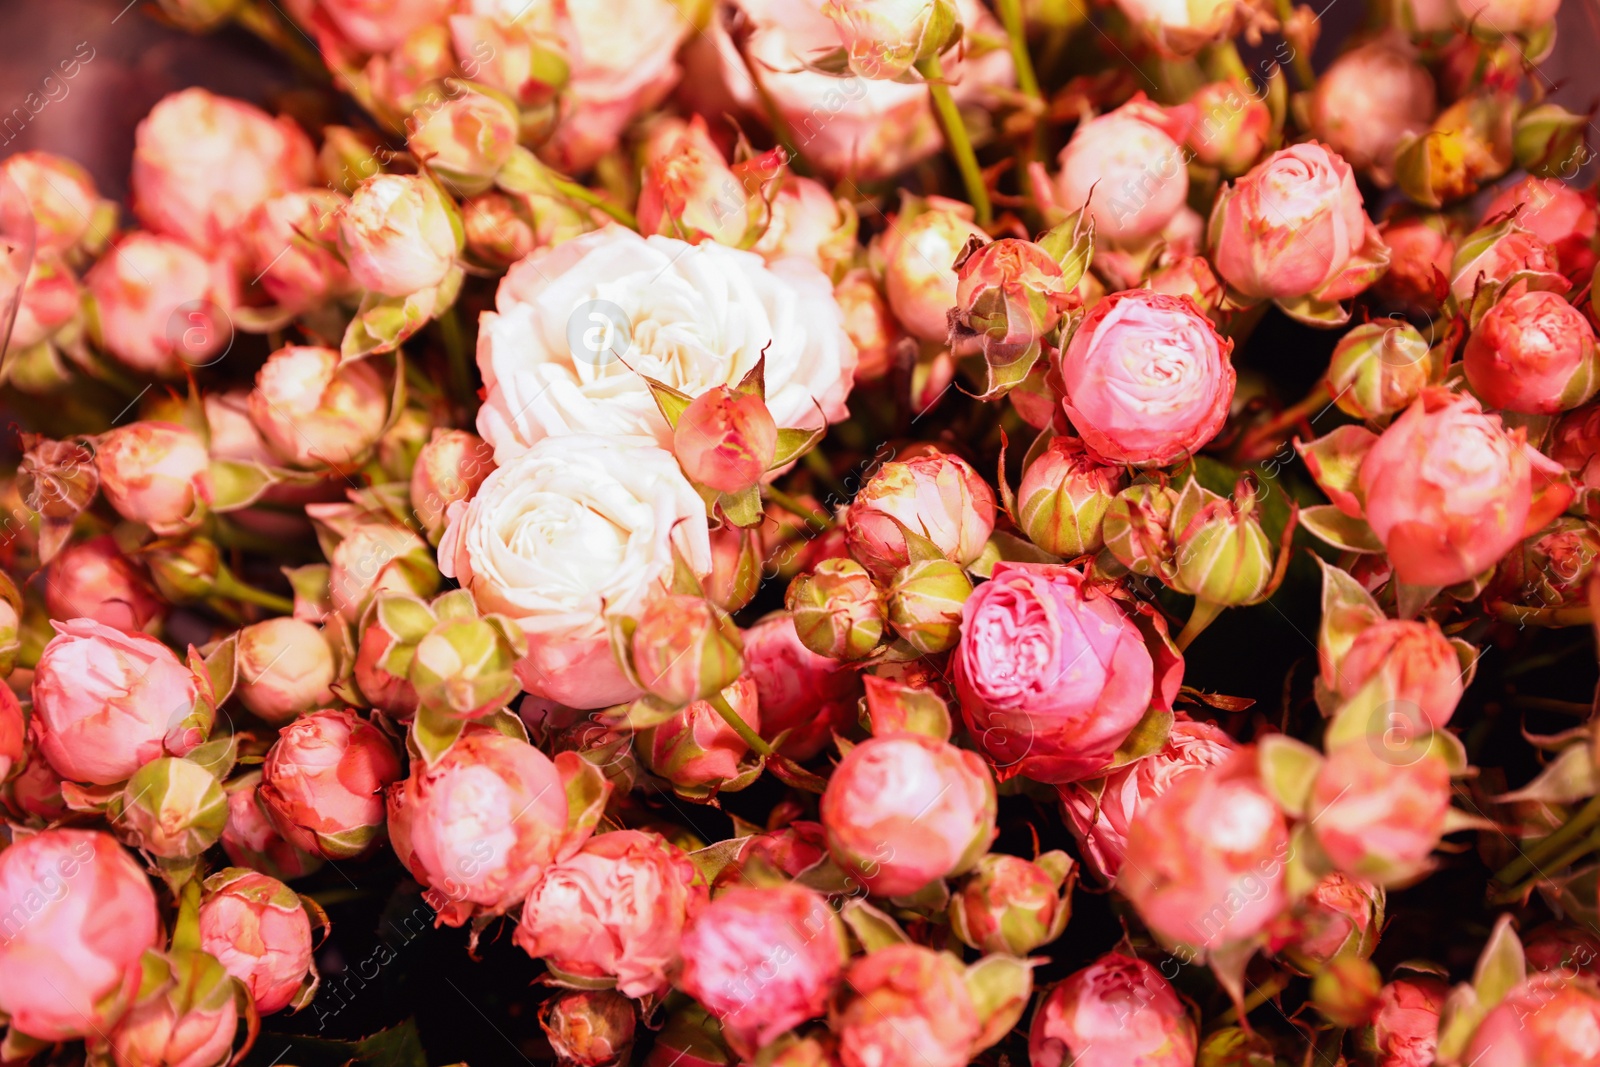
806 695
805 220
399 235
69 218
249 838
937 496
684 649
1379 806
1533 353
1404 1029
449 468
689 191
1491 257
1223 556
160 306
465 668
391 693
323 781
183 571
1558 946
1345 992
1557 214
93 579
375 555
1552 568
725 439
906 1004
867 320
409 78
1117 1012
1341 916
588 1027
1063 498
1010 293
883 41
1231 126
286 667
498 230
925 601
313 412
736 566
1369 100
1181 29
51 298
1012 906
157 473
288 243
465 139
919 274
1126 170
905 810
182 1015
13 733
1550 141
172 808
696 750
1421 670
838 610
1378 368
1420 252
255 926
1136 528
1189 276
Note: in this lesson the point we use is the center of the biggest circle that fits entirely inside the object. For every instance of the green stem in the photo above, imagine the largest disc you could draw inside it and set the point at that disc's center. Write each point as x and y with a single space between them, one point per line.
1258 996
1016 35
1550 847
231 588
1561 862
455 348
955 135
1581 615
796 508
582 194
186 931
740 727
1204 614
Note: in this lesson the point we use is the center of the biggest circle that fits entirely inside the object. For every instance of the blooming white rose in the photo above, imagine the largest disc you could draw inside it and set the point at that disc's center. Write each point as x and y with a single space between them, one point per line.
575 529
581 325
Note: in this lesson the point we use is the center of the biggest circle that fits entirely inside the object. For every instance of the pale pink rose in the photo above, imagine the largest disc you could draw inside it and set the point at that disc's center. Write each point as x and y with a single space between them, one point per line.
762 960
1204 861
250 839
1148 379
92 579
906 809
805 220
67 209
399 235
161 306
810 696
1417 661
1101 822
79 913
1371 99
157 473
1558 214
168 1028
1379 806
1128 169
381 25
313 412
919 271
288 244
906 1004
255 926
323 781
286 667
371 553
449 468
481 824
1549 1019
1117 1012
617 909
51 298
938 496
1503 17
105 703
696 749
570 532
1405 1027
1533 353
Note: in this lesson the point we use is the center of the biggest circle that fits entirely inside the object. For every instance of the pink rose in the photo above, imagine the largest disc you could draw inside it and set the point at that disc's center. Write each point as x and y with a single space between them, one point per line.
1117 1012
257 928
68 213
1341 917
13 732
809 695
919 271
1557 214
92 579
449 468
288 242
162 306
157 473
1533 353
725 440
1420 253
1147 379
249 838
323 781
106 703
1405 1028
51 298
906 1004
1379 807
370 553
1491 256
184 1014
314 412
78 914
1371 99
1126 167
1548 1019
616 909
381 25
937 496
399 235
696 749
805 220
1419 664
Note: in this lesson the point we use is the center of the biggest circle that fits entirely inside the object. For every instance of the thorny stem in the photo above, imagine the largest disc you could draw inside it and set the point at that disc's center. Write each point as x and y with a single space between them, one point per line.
955 135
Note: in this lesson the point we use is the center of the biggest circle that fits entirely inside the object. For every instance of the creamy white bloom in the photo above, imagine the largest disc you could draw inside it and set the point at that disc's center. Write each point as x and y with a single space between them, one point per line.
581 325
574 530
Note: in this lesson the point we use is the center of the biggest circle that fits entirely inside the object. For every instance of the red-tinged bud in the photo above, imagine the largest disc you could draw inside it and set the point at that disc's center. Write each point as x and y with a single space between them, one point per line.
736 572
57 479
1347 991
1136 528
1013 906
258 927
1533 353
183 1013
1064 496
685 649
1341 916
726 439
183 570
1231 126
1010 293
1552 568
689 191
1117 1012
1421 249
1370 100
1490 259
449 468
249 838
698 751
589 1027
323 782
1404 1030
1378 368
838 610
1190 276
937 496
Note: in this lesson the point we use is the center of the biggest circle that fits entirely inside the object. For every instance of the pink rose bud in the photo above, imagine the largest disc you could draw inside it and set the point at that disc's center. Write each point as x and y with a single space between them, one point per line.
1345 992
1137 529
157 473
79 913
907 809
919 266
615 910
737 566
925 599
805 220
1404 1030
1010 293
1502 17
449 468
1181 29
256 927
1557 214
286 667
1341 916
789 850
1117 1012
684 649
689 191
1420 251
1371 99
1147 379
105 703
13 733
323 780
465 138
696 750
1379 806
399 235
465 668
182 1015
1101 820
808 695
838 610
725 439
186 570
371 554
1126 170
498 230
1547 1019
161 306
1063 498
1231 126
1222 554
1552 568
937 496
1378 368
1215 839
51 298
391 693
883 41
288 245
867 320
1421 669
384 25
313 412
527 57
172 808
906 1004
249 838
1015 706
93 579
1533 353
69 218
1490 258
1012 906
589 1027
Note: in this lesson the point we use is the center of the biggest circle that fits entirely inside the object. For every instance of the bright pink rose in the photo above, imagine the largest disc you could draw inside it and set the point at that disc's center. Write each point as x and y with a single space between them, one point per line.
1204 861
288 243
906 1004
481 824
105 703
1379 806
1051 675
1558 214
77 915
1101 820
762 960
1127 167
257 928
616 909
938 496
1147 379
92 579
398 234
1405 1028
809 695
919 273
66 207
1549 1019
161 305
1371 99
1418 662
250 839
323 781
906 809
1533 353
157 473
1117 1012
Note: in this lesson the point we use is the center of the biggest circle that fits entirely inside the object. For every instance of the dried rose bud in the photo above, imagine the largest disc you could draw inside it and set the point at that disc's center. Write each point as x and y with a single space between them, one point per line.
937 496
838 610
1378 368
685 649
286 667
1063 498
323 780
313 412
1533 353
1379 806
399 235
725 439
172 808
925 601
182 1012
57 479
1117 1012
919 275
93 579
1404 1030
157 473
1011 905
906 1004
697 750
589 1027
256 926
449 468
1346 991
465 139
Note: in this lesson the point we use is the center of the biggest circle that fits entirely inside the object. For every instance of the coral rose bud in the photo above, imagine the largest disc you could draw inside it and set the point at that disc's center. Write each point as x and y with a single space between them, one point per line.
589 1027
1420 251
1063 498
288 244
905 1004
1346 991
1404 1030
1016 708
905 810
1378 369
838 610
498 230
157 473
1547 1019
465 139
937 496
737 565
323 780
69 218
399 235
1557 214
1116 1012
1421 670
1369 100
105 703
255 926
1341 916
79 915
249 838
1126 170
1223 556
172 808
807 695
1231 126
315 413
1013 906
867 320
689 191
1136 528
1533 353
1147 379
387 691
616 909
1181 29
925 601
182 1015
883 41
286 667
762 960
1010 293
725 439
697 750
13 733
919 267
449 468
1492 257
1379 806
1552 568
93 579
160 306
684 649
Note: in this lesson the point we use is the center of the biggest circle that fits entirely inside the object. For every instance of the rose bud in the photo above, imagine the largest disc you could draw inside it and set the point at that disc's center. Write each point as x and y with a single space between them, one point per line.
1117 1012
391 693
34 792
1503 17
1345 992
737 566
615 910
1492 257
809 696
1223 556
498 229
1214 836
867 320
919 274
93 579
1369 100
399 235
905 810
286 667
684 649
1126 170
805 220
884 42
1557 214
688 190
1404 1029
313 412
185 570
1101 819
937 496
249 838
375 554
1184 29
464 139
1136 529
924 604
1231 126
1566 947
1421 249
69 217
1547 1019
323 780
1533 353
449 468
1378 368
697 750
725 440
50 299
172 808
182 1015
1553 567
1147 379
1380 806
88 914
1421 670
1341 916
58 479
1017 710
838 610
762 960
1010 293
105 703
256 927
905 1004
1550 141
157 473
160 306
789 851
13 733
589 1027
1063 498
288 243
1468 145
1012 906
465 668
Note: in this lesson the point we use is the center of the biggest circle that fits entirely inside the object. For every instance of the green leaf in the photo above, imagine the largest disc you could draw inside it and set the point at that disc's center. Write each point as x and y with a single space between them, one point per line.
742 508
672 402
1288 769
238 483
1328 523
1147 737
872 927
794 442
434 733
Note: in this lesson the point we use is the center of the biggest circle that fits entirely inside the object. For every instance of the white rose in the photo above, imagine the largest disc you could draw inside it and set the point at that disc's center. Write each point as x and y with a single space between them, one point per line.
574 530
694 317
